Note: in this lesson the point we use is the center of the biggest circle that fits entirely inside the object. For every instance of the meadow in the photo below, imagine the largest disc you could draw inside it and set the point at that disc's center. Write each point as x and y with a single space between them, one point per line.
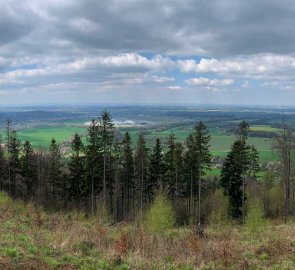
31 238
220 141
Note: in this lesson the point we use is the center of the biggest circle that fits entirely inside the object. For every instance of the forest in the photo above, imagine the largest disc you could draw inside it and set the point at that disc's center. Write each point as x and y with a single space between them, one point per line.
105 173
107 184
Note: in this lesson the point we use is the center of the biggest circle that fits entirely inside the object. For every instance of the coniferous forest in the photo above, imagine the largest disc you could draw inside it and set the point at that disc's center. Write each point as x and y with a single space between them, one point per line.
110 204
105 174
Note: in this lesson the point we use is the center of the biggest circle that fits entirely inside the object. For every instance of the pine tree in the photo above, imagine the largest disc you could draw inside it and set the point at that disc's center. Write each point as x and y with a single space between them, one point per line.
232 178
93 157
191 171
117 168
243 131
77 186
253 161
179 188
28 169
13 160
173 166
141 170
128 171
106 134
2 167
202 140
55 172
156 171
242 161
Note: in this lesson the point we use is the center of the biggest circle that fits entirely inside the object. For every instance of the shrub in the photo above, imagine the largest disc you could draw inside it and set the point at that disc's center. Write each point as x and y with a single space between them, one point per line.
4 198
160 216
11 252
219 218
255 219
103 215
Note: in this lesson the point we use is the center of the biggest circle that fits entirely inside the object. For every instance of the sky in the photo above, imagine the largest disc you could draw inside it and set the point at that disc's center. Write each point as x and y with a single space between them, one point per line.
147 52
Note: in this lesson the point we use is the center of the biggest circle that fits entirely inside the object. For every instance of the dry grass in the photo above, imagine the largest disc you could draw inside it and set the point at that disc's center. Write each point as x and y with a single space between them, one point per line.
33 239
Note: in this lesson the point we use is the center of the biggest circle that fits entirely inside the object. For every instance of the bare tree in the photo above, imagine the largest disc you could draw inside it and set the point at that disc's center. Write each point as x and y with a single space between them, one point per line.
284 145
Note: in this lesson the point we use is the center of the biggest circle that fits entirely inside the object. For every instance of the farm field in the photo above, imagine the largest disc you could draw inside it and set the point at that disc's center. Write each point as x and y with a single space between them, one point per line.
265 128
39 125
41 137
220 141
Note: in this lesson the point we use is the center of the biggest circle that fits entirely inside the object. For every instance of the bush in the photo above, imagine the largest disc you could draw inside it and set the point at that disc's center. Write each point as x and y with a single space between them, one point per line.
219 219
103 215
4 198
161 216
255 219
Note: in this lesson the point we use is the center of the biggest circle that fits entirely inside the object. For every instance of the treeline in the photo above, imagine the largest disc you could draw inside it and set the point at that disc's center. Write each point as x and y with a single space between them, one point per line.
106 174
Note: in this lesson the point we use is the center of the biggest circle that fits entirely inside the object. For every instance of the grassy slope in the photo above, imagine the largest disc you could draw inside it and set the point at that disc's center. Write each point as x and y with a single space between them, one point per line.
33 239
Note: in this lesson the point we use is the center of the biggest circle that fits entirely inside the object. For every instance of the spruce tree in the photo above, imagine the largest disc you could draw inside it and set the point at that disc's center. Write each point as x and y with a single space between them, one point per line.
141 170
128 174
13 160
28 170
231 178
179 187
55 173
106 135
202 140
253 161
93 157
156 170
191 171
2 167
241 162
77 187
170 166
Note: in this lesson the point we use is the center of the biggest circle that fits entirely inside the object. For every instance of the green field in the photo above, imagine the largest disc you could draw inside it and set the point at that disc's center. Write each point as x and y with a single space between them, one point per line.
220 142
265 128
43 135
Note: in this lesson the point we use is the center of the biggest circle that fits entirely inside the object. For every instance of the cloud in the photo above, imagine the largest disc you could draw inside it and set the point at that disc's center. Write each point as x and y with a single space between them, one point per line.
146 44
174 88
207 82
162 79
262 66
125 63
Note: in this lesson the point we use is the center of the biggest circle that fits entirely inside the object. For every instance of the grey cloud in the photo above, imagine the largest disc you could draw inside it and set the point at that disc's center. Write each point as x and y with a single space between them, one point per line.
208 28
216 28
248 39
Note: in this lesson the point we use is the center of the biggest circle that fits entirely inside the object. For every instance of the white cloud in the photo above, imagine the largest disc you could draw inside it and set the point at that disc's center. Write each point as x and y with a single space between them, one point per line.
207 82
126 63
162 79
174 88
254 66
135 60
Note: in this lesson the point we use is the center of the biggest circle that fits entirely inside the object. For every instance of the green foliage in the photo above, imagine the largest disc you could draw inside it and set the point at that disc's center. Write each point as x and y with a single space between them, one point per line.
255 220
55 168
4 198
77 186
156 169
219 218
10 252
28 169
160 217
232 178
240 162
